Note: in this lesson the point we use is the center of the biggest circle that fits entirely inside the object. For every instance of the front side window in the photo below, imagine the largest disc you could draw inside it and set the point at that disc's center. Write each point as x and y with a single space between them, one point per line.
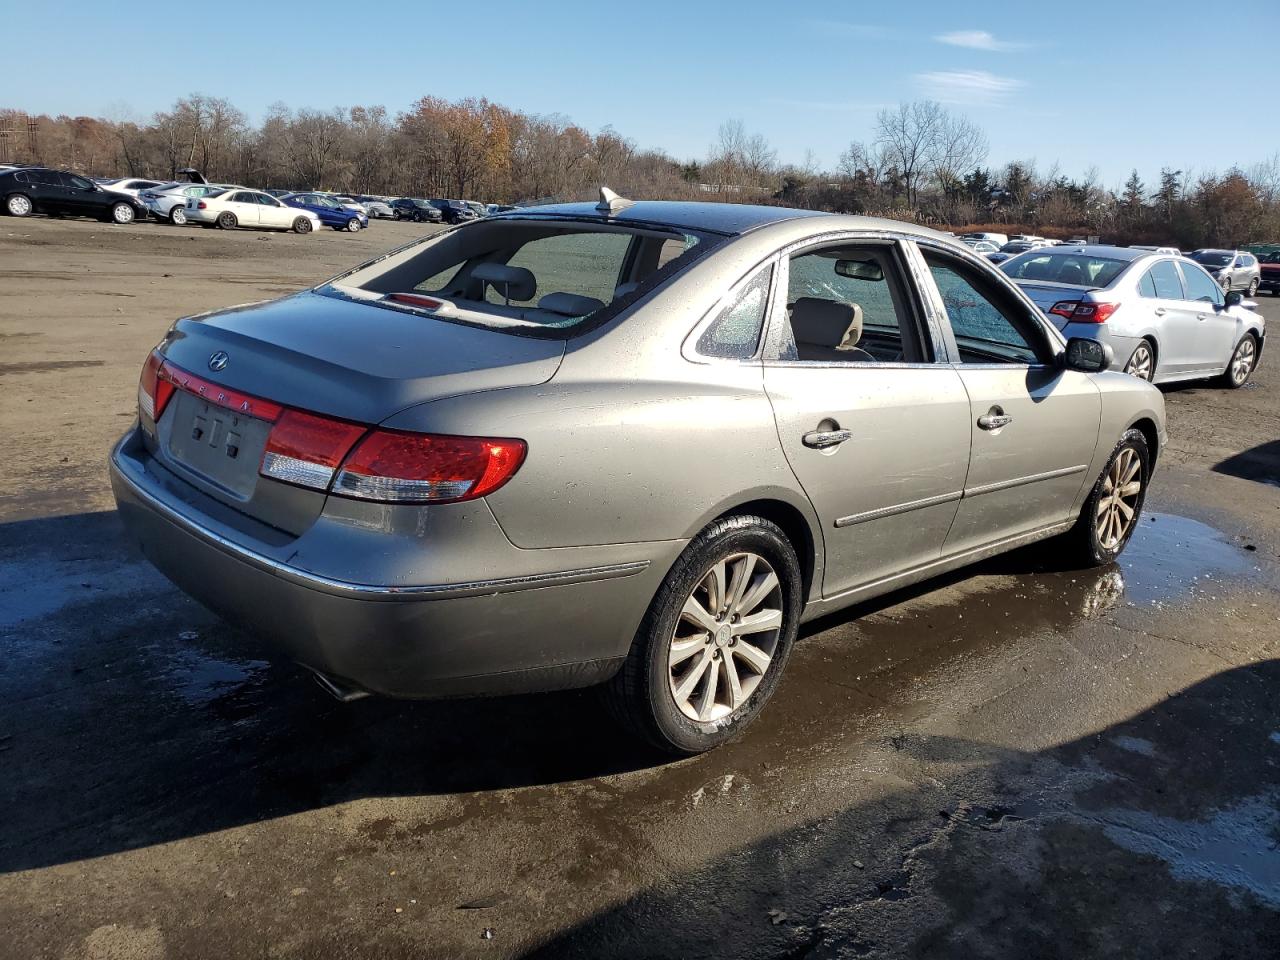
735 333
989 326
79 183
846 303
1165 281
1200 286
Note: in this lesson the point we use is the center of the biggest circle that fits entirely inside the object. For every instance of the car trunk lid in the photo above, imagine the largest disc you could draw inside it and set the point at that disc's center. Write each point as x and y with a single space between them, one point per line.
1046 293
322 354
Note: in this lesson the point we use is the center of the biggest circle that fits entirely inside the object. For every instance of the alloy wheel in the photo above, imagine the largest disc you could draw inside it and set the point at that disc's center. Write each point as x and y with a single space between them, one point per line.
1242 362
725 639
1118 502
19 205
178 216
1142 363
122 213
1253 288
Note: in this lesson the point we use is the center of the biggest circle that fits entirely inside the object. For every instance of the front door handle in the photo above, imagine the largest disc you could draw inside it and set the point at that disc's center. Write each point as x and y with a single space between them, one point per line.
1159 311
820 439
994 420
1202 316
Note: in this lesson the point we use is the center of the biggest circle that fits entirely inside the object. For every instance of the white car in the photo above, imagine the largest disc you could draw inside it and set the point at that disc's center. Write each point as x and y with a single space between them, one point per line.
238 207
130 186
168 201
348 203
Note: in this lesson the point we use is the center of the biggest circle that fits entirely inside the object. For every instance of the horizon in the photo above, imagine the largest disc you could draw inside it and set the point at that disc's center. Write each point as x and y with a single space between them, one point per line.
1008 80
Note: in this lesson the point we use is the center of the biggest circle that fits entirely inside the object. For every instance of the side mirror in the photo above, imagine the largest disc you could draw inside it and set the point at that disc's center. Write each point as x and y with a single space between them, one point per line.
1088 356
1234 298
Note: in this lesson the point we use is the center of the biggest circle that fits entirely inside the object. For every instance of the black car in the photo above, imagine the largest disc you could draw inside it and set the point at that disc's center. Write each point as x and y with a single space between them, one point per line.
454 211
59 192
409 208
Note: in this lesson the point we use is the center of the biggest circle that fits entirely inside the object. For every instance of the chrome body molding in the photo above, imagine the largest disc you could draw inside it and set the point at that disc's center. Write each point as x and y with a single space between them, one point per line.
899 508
1023 481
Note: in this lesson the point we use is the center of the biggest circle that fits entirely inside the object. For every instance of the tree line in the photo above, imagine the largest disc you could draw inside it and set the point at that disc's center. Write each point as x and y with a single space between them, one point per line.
921 162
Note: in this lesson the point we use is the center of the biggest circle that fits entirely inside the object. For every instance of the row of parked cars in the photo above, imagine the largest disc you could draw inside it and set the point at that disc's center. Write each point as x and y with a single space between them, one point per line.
30 189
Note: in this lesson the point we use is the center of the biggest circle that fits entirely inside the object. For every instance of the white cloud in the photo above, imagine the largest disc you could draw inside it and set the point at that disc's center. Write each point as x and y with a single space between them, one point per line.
967 86
978 40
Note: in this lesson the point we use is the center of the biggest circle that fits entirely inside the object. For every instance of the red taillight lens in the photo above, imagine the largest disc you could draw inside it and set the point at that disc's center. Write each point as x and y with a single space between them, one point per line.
1086 312
305 449
1064 308
153 390
427 468
201 206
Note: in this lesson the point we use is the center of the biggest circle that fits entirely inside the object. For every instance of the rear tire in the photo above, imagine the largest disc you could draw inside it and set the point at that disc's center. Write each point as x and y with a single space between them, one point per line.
1103 528
18 205
1243 359
301 225
227 220
1253 289
178 216
1142 364
685 689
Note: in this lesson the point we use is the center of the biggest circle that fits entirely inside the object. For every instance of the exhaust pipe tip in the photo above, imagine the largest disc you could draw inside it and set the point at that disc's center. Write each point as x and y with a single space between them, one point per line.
336 688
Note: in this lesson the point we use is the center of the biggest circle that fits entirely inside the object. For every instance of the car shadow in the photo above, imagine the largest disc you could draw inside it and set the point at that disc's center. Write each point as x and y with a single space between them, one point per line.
1260 463
1151 837
130 716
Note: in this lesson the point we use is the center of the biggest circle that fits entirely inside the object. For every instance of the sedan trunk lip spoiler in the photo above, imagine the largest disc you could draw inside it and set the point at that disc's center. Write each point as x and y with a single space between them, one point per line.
128 476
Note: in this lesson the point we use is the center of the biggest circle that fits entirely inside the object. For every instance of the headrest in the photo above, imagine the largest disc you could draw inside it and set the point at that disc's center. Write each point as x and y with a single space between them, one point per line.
513 283
826 323
569 304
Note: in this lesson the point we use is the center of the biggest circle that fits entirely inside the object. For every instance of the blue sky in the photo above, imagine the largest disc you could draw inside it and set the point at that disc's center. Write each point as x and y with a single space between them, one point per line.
1114 84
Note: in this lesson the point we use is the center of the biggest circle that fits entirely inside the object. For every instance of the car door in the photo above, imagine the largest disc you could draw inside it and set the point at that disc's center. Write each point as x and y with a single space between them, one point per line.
243 204
1215 326
872 419
1033 424
1175 320
50 191
85 198
272 213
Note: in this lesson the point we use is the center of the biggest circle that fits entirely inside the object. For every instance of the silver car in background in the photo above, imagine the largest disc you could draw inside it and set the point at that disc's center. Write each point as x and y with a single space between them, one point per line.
1164 317
624 444
168 201
1233 269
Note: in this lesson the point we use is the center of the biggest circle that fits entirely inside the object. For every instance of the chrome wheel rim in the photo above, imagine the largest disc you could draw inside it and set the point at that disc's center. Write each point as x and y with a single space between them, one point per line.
1140 363
1253 287
1118 504
19 206
726 637
354 226
122 213
1242 362
179 216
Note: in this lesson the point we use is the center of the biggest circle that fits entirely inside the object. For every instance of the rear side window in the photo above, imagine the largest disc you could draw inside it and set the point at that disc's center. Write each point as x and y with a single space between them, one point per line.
735 333
1201 286
586 264
1147 285
1165 282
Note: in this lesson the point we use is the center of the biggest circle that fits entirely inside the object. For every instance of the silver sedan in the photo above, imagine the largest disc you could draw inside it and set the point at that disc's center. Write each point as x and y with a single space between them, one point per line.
1164 317
631 445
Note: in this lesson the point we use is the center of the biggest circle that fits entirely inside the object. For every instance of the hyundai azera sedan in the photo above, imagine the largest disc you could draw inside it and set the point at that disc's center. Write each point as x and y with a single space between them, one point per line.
1164 316
631 445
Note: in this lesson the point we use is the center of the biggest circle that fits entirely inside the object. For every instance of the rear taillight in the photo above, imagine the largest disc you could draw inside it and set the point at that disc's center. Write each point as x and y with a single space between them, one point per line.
154 390
1064 308
305 449
427 468
200 205
1087 312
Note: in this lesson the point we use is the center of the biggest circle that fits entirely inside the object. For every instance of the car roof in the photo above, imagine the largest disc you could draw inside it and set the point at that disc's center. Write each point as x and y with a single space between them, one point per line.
728 218
1098 250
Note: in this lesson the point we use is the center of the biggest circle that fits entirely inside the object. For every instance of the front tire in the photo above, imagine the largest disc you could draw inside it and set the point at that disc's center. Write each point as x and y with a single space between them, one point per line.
122 213
302 225
353 225
1243 360
19 205
715 640
227 220
1113 508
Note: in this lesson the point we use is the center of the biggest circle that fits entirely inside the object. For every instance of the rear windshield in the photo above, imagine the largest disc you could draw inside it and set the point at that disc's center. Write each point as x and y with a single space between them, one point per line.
531 276
1076 268
1211 258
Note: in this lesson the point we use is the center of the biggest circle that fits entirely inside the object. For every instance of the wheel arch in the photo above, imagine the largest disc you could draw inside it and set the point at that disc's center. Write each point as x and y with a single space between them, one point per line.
795 524
1151 433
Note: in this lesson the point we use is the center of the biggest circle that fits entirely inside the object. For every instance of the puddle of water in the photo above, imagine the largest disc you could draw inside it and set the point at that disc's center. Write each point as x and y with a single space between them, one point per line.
1172 558
200 680
1235 848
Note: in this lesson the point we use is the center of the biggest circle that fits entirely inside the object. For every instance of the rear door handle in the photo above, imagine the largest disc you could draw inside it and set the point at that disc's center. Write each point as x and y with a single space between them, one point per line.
1159 311
819 439
1202 316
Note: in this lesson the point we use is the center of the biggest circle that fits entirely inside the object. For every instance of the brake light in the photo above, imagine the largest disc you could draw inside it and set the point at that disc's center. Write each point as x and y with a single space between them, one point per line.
1064 308
305 449
200 205
1087 312
153 390
393 465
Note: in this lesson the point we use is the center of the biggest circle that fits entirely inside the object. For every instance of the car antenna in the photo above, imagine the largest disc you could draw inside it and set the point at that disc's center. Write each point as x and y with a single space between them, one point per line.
611 202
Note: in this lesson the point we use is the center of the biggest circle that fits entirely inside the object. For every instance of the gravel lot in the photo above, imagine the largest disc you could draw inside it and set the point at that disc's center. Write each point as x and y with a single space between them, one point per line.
1015 761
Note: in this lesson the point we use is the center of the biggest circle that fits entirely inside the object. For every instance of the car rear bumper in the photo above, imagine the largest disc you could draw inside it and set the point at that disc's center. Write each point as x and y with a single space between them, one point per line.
554 629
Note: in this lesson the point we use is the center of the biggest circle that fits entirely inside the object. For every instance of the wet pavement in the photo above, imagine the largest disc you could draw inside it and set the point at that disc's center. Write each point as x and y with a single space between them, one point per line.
1017 760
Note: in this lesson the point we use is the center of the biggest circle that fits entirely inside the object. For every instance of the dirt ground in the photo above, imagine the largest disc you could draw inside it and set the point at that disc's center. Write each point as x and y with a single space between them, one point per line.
1016 761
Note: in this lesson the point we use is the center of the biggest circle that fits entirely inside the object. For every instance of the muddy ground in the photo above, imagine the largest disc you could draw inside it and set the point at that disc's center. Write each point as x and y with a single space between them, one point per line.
1016 761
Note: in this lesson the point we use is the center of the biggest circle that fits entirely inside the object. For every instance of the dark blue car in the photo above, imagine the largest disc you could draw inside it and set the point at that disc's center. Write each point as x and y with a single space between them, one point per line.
330 211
